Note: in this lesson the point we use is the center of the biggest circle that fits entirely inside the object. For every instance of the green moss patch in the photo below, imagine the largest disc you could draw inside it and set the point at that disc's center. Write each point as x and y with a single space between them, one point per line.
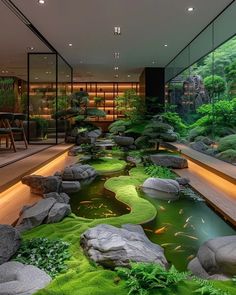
107 165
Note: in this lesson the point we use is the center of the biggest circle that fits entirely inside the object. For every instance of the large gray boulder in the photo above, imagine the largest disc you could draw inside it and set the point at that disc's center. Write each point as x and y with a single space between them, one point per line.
70 187
35 215
170 161
78 172
42 185
199 146
58 212
110 246
9 242
59 197
216 259
20 279
164 185
124 140
164 189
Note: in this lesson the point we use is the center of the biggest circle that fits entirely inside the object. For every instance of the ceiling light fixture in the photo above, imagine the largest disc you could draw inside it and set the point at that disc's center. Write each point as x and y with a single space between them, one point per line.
70 44
116 55
36 78
128 76
153 62
41 2
31 48
117 31
165 45
116 68
190 9
116 76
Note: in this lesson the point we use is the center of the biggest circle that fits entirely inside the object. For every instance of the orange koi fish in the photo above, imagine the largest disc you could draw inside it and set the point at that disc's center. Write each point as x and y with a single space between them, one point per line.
160 230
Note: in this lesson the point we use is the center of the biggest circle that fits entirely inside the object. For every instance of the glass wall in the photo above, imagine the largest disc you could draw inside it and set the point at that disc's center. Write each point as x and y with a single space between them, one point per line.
50 85
201 88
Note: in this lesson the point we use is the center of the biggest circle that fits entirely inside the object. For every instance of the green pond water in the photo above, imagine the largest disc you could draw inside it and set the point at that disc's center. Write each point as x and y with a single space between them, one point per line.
180 226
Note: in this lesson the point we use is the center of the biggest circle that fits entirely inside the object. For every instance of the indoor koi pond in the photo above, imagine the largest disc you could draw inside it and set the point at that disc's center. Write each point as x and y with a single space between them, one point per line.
180 226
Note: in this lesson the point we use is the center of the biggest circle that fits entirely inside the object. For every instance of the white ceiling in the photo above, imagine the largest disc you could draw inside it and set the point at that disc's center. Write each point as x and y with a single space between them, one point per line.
146 26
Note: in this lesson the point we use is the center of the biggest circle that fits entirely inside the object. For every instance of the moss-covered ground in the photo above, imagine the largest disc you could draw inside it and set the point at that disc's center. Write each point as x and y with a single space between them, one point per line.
107 165
85 278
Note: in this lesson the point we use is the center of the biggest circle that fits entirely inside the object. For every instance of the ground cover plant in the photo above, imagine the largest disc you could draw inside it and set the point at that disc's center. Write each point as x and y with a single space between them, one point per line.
48 255
142 278
159 171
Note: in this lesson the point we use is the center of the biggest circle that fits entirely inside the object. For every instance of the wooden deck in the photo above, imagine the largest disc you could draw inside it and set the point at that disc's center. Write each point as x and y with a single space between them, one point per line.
221 168
212 178
13 199
13 172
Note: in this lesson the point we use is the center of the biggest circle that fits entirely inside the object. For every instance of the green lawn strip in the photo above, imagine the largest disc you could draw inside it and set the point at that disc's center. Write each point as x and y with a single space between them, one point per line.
107 165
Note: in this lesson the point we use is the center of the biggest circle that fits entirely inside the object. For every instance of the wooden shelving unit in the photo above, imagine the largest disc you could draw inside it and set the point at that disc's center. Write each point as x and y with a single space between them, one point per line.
108 91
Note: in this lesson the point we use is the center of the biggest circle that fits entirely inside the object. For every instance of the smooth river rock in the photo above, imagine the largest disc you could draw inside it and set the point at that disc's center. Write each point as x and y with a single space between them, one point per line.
216 259
20 279
9 242
110 246
170 161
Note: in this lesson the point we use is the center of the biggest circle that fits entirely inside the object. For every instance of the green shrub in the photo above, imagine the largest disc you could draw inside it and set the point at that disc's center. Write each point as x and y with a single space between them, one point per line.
227 143
215 85
228 156
118 126
196 132
48 255
175 120
158 171
143 278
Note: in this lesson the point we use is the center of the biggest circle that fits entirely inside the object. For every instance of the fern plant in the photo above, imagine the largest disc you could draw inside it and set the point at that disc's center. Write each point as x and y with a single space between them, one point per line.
207 288
159 171
142 278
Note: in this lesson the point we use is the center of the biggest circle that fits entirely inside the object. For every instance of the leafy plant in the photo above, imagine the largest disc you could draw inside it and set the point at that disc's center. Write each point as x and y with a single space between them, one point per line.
215 85
48 255
207 288
98 100
174 120
41 125
142 278
131 105
159 171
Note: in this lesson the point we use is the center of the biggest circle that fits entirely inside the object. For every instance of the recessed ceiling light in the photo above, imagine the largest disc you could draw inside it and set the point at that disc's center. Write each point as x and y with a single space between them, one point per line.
36 78
128 76
41 2
165 45
81 62
190 9
116 76
70 44
153 62
117 31
31 48
3 71
116 68
116 55
45 57
67 76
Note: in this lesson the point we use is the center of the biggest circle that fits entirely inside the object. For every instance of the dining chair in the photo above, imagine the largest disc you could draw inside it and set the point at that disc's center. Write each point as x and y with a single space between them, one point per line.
18 128
5 129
